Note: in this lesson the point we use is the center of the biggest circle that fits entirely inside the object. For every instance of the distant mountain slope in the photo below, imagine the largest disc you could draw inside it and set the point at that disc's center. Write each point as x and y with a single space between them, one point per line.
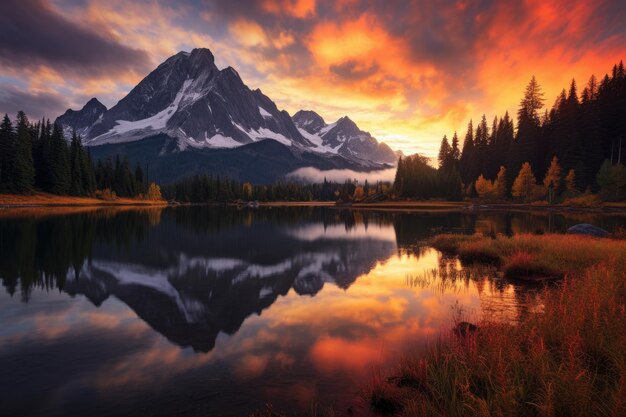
82 120
261 162
201 109
342 137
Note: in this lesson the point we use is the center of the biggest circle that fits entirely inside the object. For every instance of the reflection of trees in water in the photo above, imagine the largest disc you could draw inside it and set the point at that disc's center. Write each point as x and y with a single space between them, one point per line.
171 275
540 221
500 299
41 252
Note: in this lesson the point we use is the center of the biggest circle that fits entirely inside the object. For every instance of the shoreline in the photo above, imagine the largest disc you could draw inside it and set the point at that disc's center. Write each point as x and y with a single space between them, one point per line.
477 206
42 200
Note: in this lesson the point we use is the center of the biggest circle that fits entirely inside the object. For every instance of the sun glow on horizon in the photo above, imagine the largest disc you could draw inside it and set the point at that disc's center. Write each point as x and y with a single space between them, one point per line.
407 72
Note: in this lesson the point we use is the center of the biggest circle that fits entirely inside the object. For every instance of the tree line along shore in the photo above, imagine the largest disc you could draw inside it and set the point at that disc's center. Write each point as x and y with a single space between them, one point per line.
570 154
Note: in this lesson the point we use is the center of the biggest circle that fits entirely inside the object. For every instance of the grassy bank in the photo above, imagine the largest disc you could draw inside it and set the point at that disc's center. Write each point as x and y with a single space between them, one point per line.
53 200
566 358
534 257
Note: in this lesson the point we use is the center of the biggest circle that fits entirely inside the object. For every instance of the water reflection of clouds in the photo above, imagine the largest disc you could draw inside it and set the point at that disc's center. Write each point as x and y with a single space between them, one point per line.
313 232
269 341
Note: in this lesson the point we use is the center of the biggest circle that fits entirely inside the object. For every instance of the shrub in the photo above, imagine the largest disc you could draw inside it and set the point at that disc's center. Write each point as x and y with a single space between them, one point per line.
450 243
585 200
107 194
478 252
525 266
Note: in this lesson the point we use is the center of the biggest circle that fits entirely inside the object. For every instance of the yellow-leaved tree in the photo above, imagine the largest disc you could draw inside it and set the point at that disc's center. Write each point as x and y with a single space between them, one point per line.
525 183
484 187
359 193
154 192
247 191
499 187
552 180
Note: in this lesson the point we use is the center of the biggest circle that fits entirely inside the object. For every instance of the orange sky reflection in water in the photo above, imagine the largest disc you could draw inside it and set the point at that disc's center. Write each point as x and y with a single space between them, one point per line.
337 332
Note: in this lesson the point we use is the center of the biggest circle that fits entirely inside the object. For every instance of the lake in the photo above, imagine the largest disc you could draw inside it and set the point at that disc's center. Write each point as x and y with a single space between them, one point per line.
217 311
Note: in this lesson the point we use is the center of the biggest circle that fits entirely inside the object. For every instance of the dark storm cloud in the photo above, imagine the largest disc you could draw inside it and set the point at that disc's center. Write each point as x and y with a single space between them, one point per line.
32 34
35 104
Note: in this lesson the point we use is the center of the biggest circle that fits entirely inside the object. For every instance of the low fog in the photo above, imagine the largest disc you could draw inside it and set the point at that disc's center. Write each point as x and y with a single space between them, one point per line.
310 174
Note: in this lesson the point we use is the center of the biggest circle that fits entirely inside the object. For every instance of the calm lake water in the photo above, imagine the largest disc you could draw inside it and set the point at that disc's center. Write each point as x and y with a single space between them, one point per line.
218 311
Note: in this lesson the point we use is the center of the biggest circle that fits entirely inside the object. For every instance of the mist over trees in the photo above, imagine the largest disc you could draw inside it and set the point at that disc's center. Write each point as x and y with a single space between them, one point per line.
576 146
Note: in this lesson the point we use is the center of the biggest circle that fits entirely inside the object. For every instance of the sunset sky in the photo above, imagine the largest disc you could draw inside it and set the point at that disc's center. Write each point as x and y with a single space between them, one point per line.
406 71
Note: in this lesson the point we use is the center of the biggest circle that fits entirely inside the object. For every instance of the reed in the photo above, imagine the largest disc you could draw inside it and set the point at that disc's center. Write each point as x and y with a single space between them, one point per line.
567 358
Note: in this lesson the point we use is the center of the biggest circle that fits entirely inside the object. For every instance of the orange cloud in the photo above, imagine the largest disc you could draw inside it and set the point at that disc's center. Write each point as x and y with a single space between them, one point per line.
407 71
296 8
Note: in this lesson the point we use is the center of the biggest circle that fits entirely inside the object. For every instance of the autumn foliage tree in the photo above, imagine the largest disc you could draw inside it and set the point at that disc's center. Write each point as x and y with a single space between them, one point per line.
500 189
525 183
584 127
154 192
570 183
552 180
484 187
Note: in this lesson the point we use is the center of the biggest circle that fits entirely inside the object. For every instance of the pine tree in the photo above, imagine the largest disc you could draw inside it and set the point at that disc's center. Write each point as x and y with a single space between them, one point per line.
23 168
445 152
456 153
88 172
481 146
528 125
59 163
76 167
7 154
139 179
398 182
493 163
467 155
42 158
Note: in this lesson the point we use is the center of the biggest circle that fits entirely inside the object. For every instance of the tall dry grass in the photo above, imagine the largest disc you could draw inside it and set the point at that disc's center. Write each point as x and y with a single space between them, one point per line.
566 359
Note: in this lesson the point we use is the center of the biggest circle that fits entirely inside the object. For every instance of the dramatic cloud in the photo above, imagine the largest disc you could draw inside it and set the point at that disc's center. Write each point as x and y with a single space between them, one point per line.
408 71
34 34
34 104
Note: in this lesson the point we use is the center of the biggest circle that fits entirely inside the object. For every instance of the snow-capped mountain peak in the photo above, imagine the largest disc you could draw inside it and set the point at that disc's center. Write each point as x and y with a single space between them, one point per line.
342 137
82 120
187 98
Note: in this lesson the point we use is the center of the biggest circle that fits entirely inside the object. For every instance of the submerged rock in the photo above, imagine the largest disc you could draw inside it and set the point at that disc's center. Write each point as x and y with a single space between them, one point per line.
587 229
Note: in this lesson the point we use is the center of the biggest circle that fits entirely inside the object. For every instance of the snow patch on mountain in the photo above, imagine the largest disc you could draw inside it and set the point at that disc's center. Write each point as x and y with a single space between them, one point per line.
264 133
154 123
327 128
220 141
265 113
318 142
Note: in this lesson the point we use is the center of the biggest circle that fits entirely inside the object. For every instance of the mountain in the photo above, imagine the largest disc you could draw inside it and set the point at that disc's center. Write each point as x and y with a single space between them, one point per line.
83 119
262 162
203 110
342 137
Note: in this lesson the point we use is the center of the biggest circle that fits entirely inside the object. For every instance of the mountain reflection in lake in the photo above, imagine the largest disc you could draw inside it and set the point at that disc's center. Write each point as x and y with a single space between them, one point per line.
217 311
